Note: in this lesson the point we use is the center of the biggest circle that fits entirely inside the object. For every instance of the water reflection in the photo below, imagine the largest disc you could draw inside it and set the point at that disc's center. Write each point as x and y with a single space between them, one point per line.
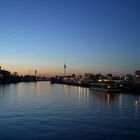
49 110
83 95
1 91
4 91
80 93
137 109
37 87
106 99
66 89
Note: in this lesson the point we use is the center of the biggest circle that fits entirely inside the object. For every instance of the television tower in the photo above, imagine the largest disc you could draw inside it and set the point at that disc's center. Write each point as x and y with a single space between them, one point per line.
65 67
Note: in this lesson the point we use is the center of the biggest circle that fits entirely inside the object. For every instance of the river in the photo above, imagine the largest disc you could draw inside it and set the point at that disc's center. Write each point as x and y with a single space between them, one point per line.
44 111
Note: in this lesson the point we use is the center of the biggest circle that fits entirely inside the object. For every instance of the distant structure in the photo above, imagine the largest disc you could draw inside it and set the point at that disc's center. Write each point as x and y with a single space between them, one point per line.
137 76
0 75
65 68
129 78
35 72
35 75
109 75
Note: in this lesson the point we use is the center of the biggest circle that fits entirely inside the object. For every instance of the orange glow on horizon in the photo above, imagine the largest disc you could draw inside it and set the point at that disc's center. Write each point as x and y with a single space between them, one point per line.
51 70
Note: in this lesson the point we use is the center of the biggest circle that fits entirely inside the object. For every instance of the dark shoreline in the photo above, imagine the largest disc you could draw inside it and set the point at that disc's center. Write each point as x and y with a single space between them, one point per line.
132 89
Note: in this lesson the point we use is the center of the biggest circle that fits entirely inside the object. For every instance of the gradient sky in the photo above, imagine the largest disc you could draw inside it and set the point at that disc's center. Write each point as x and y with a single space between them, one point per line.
89 35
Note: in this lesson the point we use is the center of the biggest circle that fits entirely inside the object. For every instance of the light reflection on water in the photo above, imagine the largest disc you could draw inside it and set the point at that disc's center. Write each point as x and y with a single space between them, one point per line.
45 111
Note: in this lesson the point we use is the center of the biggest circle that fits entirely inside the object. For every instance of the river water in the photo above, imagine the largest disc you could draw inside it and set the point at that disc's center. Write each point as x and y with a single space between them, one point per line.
44 111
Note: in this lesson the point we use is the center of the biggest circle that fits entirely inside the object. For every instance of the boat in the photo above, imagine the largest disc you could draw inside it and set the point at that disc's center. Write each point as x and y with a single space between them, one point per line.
104 87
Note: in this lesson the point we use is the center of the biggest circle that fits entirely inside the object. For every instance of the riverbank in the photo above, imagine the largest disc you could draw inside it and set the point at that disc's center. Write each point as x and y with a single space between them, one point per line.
124 88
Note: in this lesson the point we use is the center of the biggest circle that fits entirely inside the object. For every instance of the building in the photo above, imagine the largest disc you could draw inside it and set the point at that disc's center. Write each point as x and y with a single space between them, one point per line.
118 79
129 78
5 76
137 76
109 75
0 75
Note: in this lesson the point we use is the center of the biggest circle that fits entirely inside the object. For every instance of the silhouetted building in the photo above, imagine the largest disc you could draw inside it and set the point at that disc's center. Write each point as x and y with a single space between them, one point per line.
137 76
5 76
129 78
0 75
118 79
109 75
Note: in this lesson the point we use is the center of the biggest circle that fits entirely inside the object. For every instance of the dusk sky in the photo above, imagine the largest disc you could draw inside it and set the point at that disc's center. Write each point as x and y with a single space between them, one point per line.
89 35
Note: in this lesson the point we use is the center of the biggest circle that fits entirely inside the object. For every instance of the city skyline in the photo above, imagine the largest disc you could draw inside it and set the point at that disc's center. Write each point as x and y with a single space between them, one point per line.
89 36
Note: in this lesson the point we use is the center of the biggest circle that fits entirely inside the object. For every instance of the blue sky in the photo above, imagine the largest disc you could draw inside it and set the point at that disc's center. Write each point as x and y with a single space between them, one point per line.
89 35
